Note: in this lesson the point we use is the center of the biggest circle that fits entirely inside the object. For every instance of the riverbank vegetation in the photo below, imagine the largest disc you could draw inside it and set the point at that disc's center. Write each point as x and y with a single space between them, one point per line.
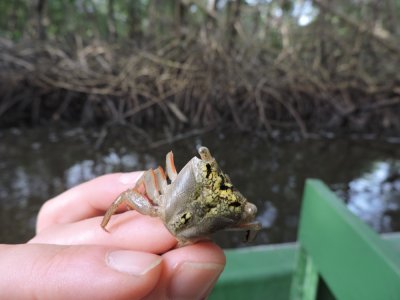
311 66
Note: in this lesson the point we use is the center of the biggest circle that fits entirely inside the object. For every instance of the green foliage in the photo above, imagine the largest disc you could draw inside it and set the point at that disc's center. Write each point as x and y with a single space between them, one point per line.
13 18
126 18
129 19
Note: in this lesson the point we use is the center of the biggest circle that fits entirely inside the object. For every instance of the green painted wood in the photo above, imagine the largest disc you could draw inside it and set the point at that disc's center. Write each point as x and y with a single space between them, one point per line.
352 259
305 278
311 279
262 272
271 268
392 239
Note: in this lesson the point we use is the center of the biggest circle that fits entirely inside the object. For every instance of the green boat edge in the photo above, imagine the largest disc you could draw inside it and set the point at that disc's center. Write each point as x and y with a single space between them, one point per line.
265 272
335 249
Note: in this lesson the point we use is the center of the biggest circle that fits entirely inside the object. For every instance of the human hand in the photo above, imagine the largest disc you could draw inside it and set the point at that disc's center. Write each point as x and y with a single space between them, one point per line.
71 257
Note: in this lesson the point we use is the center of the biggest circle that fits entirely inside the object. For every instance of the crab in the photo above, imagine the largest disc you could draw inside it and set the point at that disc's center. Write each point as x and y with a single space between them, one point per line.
198 201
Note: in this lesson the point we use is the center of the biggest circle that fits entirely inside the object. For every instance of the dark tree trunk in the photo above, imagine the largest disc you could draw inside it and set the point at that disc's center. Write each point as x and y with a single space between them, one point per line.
134 20
112 28
211 14
233 17
41 19
180 18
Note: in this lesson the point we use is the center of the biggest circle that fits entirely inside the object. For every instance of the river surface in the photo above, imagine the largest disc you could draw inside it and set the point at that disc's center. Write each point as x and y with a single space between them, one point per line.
37 164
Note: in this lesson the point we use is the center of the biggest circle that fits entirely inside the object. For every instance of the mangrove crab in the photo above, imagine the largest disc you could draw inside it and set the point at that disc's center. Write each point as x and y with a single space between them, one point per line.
199 200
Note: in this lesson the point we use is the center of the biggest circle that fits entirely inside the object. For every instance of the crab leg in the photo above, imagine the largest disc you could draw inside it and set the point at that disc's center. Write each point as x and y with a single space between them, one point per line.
134 200
252 228
150 185
161 180
170 166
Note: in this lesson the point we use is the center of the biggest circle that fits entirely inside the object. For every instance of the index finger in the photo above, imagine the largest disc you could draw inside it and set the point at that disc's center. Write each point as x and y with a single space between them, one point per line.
86 200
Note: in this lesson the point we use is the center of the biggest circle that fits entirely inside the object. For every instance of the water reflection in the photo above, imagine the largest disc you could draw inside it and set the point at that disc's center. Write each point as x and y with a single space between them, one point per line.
376 195
268 215
36 165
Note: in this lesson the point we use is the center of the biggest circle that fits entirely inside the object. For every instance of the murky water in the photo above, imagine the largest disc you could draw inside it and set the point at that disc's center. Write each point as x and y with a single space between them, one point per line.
36 165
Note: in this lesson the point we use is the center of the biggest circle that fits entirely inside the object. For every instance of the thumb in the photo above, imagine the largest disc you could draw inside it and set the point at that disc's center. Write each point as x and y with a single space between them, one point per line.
43 271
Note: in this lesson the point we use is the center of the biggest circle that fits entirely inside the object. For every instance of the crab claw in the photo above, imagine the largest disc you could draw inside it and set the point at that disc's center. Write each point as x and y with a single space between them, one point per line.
205 154
254 227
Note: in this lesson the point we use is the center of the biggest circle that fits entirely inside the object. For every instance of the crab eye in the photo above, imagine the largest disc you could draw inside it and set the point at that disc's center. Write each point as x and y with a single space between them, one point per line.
250 209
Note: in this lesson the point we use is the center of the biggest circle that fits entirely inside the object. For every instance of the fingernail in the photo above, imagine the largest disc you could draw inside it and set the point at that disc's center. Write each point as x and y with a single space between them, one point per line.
129 178
132 262
192 280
